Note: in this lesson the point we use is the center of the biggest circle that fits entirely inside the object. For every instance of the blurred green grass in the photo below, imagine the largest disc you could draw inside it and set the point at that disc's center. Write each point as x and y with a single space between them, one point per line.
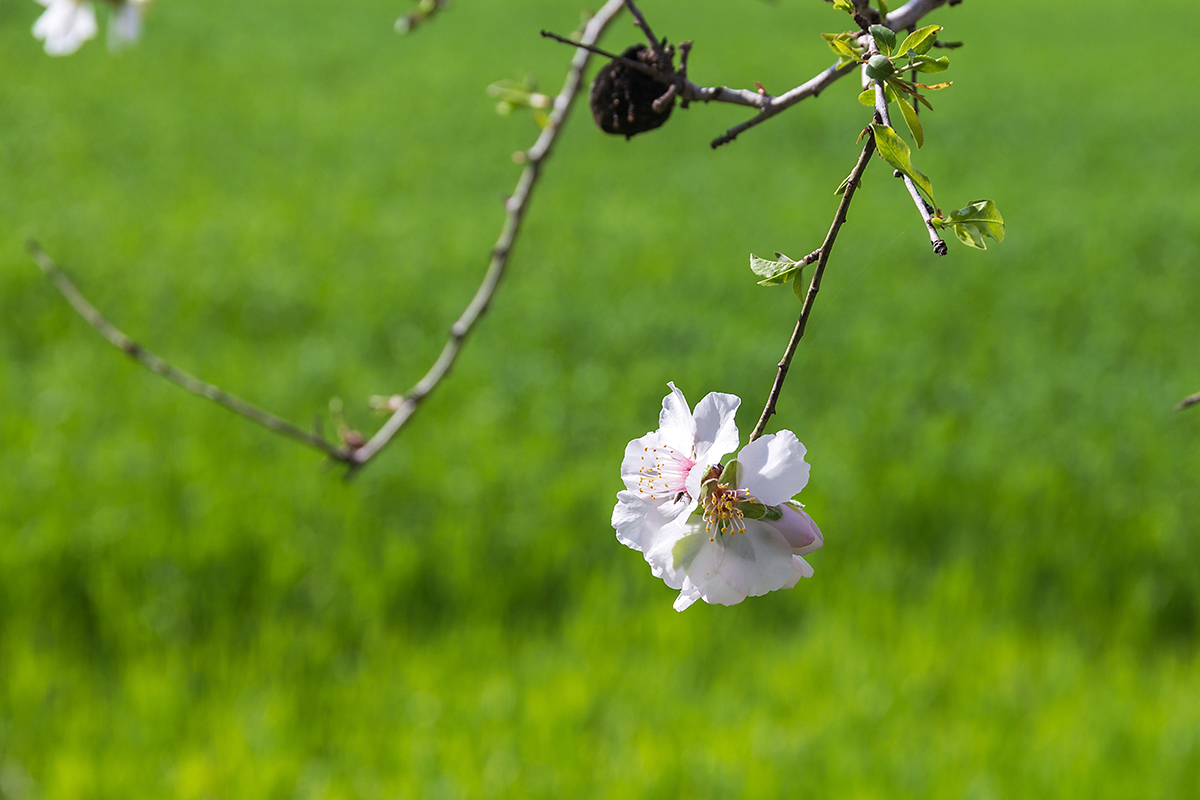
295 203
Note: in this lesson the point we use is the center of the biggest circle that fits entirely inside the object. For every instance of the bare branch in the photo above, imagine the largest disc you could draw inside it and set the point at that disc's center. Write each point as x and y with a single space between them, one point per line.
814 286
881 109
655 44
177 376
1188 401
404 406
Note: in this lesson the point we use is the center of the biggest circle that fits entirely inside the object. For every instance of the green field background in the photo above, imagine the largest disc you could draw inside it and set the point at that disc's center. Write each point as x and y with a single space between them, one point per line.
290 200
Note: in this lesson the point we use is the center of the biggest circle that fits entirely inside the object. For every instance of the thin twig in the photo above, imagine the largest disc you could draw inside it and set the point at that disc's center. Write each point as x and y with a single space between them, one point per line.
881 109
404 406
155 364
901 18
1188 401
690 91
814 286
657 45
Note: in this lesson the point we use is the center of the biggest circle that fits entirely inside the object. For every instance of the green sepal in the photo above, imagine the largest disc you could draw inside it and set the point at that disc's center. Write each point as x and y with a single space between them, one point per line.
899 155
775 273
774 513
885 37
752 510
919 41
729 473
912 121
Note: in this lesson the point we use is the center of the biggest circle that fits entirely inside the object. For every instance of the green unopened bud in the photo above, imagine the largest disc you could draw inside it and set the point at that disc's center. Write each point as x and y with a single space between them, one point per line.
880 67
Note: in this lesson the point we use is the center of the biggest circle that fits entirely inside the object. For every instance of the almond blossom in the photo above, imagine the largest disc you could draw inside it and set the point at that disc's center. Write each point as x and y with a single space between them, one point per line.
716 533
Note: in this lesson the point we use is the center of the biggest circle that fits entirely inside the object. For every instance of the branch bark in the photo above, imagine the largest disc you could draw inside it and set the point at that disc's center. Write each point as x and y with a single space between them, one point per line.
814 286
177 376
881 109
1191 400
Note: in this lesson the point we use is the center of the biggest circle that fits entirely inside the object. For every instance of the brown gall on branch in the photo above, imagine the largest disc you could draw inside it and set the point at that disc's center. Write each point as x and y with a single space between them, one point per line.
404 406
177 376
1191 400
821 256
903 17
690 91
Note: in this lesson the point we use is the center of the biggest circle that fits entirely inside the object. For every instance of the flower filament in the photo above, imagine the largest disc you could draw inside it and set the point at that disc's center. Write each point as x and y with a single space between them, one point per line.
722 511
663 473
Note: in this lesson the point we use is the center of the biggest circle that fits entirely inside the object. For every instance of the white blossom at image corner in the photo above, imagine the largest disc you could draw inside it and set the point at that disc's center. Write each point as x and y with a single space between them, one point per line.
713 533
65 25
125 25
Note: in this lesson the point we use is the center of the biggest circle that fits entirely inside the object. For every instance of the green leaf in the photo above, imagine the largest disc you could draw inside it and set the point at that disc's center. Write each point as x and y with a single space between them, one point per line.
912 121
983 217
898 154
930 64
774 273
919 41
879 67
798 287
867 98
844 5
968 234
842 48
885 37
883 7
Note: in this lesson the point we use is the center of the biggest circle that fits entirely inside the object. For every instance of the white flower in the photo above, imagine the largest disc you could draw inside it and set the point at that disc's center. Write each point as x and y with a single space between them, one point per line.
720 534
125 25
65 25
663 469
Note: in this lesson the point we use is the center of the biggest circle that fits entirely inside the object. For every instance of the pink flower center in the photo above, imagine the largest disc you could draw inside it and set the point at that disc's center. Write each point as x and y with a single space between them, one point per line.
663 474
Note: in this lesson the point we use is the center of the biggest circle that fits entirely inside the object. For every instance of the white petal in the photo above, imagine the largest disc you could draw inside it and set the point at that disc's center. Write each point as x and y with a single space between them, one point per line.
65 25
687 596
125 25
716 428
675 423
717 592
682 553
773 468
757 561
640 522
799 529
635 458
800 569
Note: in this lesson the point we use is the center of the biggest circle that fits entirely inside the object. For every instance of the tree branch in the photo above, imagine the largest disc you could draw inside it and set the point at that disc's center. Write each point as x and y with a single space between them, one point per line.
177 376
881 109
901 18
814 286
404 406
1188 401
